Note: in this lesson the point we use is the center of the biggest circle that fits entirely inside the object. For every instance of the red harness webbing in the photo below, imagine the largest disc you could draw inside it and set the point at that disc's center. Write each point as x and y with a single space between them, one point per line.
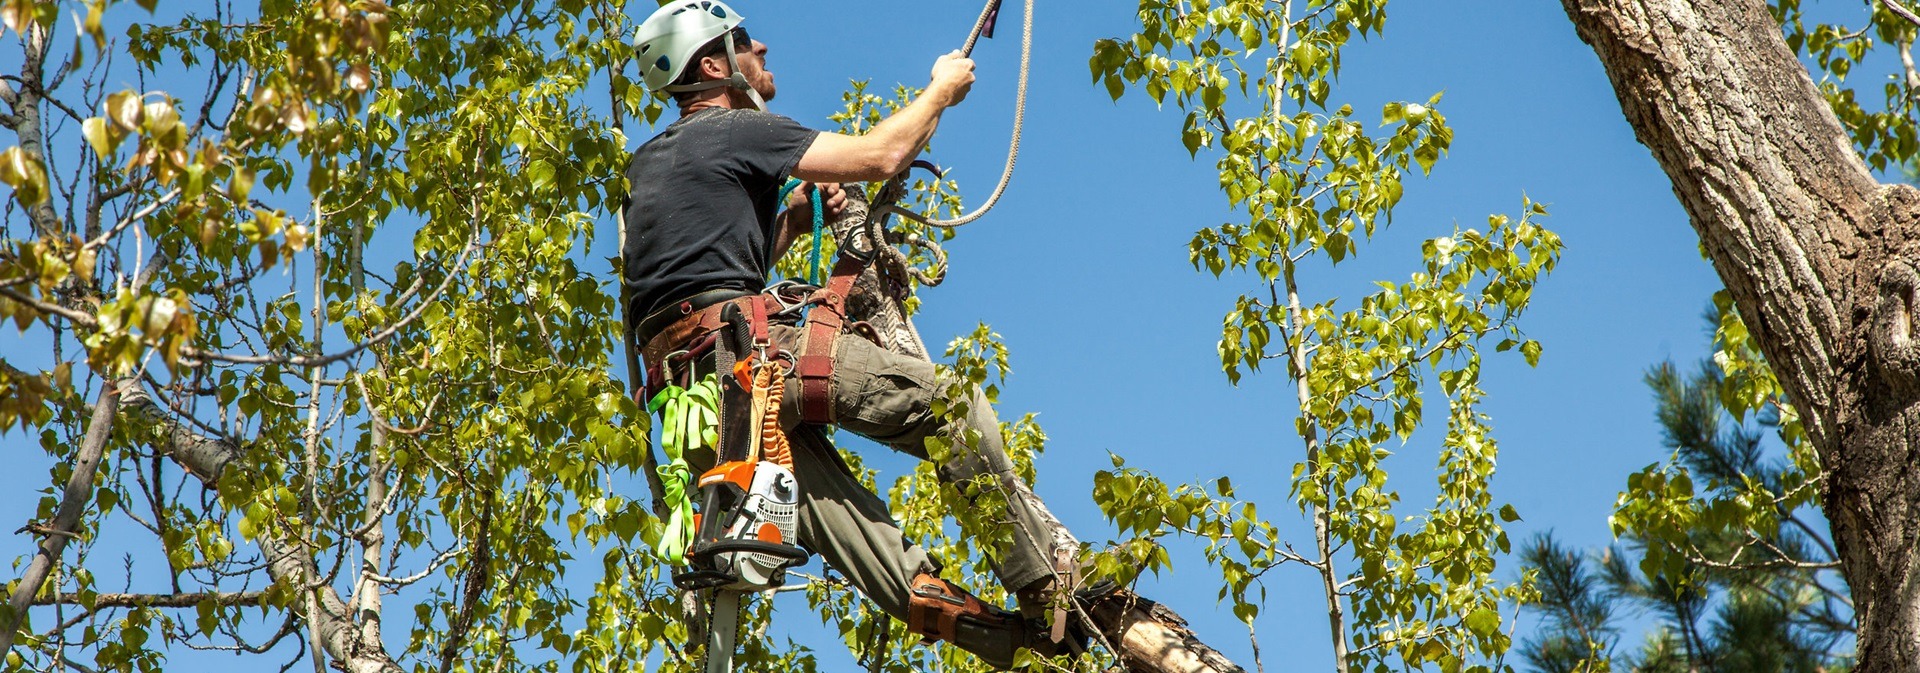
814 366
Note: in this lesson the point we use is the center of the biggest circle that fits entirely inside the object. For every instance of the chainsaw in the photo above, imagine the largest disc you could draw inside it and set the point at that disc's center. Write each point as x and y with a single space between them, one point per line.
745 532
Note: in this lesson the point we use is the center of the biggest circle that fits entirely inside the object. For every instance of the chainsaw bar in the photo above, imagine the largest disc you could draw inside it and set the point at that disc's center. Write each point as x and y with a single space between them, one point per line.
723 631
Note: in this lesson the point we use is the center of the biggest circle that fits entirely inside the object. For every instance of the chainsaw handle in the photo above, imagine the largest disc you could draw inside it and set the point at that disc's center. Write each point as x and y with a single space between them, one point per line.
715 547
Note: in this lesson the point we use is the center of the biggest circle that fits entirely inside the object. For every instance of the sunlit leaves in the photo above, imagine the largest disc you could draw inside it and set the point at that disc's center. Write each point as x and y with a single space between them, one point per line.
1256 81
408 218
1884 132
1718 503
16 15
26 174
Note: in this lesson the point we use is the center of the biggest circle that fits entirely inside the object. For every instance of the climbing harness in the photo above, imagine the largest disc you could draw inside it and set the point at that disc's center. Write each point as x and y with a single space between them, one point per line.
745 533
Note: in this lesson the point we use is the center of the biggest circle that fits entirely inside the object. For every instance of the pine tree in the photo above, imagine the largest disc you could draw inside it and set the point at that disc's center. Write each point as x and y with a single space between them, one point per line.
1739 576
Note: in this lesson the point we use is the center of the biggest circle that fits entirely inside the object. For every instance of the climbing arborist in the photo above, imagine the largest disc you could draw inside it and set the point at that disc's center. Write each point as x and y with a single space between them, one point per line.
704 227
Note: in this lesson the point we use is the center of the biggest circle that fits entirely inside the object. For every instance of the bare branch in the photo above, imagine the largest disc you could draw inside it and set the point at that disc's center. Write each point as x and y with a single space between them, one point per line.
410 579
137 215
1901 11
188 600
73 501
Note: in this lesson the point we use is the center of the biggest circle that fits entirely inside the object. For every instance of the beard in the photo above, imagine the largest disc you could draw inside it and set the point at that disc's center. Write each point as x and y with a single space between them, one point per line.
766 88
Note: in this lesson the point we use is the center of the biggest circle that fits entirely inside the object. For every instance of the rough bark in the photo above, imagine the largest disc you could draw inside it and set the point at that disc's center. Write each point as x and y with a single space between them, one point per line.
207 458
1148 637
1820 259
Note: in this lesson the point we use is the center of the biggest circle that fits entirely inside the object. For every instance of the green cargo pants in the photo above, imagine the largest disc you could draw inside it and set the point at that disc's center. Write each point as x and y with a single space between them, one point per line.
888 398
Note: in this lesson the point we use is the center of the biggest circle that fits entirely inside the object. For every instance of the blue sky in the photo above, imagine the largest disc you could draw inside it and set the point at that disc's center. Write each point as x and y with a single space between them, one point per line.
1083 268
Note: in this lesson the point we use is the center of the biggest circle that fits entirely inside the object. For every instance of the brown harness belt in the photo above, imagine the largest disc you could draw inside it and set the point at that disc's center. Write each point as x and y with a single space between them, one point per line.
690 319
673 328
828 317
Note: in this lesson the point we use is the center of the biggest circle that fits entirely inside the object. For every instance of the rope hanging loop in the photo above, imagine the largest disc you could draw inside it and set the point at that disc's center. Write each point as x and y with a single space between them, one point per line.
987 17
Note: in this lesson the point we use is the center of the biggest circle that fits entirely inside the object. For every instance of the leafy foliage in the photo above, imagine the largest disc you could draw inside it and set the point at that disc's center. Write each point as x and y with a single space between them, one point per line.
358 257
1728 553
1884 131
348 270
1256 80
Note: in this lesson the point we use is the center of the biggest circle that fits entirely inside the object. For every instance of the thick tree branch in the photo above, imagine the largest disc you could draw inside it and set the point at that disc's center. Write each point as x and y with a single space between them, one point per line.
26 122
1817 255
187 600
1752 150
66 521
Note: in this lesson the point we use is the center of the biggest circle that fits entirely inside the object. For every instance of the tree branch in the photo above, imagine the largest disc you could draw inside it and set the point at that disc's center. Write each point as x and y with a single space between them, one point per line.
73 503
1901 11
207 459
187 600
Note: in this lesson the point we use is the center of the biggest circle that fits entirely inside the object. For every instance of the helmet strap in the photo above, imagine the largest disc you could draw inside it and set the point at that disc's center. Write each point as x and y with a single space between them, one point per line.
737 80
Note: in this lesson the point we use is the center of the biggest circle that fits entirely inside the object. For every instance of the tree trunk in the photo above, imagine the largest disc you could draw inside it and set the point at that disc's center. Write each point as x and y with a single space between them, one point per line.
1819 257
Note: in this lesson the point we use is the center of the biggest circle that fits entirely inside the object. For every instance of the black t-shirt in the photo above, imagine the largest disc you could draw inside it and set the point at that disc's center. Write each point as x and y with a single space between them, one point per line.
701 214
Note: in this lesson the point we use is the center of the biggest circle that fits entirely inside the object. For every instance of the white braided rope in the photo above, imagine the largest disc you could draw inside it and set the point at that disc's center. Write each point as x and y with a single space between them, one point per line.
1019 120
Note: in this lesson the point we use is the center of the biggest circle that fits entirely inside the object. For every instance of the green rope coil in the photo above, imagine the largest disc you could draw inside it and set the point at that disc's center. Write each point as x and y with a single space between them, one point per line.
689 419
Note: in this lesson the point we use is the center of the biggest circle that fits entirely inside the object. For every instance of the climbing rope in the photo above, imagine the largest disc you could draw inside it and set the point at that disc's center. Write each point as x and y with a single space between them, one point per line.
1019 122
819 225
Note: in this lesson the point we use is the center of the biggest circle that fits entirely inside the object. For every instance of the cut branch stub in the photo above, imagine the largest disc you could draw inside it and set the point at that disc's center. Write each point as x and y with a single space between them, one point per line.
1894 351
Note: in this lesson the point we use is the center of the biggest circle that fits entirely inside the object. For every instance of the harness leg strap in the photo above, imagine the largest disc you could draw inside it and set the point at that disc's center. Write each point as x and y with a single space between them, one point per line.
936 606
814 366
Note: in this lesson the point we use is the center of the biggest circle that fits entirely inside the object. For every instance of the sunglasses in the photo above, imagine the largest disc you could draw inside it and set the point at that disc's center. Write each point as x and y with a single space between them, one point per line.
741 40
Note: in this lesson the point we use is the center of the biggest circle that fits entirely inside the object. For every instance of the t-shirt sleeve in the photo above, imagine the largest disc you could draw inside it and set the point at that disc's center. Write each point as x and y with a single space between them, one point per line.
769 146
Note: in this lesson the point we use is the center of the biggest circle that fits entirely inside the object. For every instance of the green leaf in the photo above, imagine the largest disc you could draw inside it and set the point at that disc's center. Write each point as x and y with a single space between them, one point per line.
23 172
95 131
540 175
1426 156
1531 350
1483 622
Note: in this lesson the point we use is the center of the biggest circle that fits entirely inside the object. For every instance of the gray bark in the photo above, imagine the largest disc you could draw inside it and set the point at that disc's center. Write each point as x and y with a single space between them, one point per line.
1818 255
66 521
332 622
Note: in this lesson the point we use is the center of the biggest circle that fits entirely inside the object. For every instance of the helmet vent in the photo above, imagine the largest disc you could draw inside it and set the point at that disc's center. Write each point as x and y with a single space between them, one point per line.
646 48
663 64
718 12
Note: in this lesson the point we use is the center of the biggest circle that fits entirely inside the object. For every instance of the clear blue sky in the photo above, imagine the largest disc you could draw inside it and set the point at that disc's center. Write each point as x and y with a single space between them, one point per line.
1083 268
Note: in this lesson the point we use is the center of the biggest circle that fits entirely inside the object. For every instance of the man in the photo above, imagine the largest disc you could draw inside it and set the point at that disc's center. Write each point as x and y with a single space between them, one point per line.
703 231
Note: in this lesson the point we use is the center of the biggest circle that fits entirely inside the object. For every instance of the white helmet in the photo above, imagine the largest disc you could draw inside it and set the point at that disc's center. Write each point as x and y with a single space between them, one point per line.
668 40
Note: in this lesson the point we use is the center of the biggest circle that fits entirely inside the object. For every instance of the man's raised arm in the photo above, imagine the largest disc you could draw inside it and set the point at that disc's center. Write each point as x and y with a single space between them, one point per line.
893 143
